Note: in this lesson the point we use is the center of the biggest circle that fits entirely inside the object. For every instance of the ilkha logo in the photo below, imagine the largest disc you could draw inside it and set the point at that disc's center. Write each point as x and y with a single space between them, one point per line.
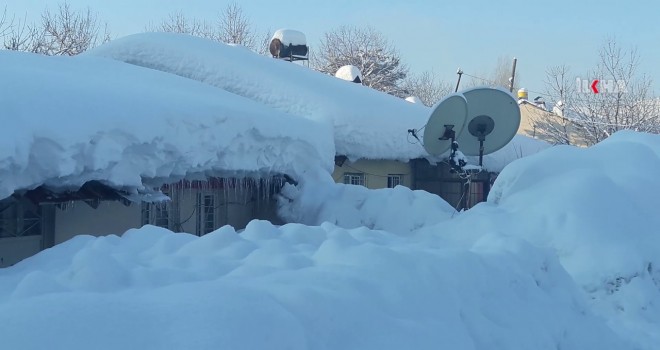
600 86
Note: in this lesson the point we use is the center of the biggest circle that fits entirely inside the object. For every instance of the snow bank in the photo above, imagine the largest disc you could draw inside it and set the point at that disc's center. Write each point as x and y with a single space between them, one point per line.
521 146
68 120
368 124
399 209
596 209
294 287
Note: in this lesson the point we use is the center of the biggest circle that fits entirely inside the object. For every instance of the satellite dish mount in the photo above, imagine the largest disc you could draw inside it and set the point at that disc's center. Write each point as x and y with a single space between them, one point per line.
480 127
450 134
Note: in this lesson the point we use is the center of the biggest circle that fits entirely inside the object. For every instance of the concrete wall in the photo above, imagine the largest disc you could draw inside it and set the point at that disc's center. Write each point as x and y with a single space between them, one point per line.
375 171
231 207
15 249
109 218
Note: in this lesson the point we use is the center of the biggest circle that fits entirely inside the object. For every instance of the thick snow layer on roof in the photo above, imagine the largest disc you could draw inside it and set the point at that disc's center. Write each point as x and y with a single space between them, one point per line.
67 120
349 73
367 123
290 37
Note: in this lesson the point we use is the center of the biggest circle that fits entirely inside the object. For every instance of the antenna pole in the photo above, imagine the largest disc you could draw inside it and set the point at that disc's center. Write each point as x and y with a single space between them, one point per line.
481 151
513 75
460 73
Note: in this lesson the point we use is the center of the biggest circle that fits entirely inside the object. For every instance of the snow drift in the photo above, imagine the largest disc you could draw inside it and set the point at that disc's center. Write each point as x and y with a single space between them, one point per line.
294 287
68 120
595 208
398 210
367 123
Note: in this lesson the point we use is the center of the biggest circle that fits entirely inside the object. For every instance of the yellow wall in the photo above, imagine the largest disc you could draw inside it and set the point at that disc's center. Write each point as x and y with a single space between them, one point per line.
375 171
532 117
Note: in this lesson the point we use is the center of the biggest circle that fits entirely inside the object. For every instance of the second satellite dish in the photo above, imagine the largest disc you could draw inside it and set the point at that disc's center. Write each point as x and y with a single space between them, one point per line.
493 118
445 124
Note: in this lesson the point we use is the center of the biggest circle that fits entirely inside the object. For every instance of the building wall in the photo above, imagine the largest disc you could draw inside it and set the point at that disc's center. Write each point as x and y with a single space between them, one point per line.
233 206
15 249
375 172
79 218
535 122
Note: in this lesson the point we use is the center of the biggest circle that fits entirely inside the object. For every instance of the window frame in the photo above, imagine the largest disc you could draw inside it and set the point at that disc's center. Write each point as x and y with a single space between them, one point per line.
360 177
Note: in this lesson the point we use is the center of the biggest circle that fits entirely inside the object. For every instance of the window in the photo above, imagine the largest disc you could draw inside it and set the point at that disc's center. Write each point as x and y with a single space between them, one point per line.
205 213
156 214
394 180
354 179
19 218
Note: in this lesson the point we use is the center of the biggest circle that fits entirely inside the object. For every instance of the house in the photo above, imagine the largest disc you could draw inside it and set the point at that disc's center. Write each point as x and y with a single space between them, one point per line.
550 126
434 175
127 146
148 140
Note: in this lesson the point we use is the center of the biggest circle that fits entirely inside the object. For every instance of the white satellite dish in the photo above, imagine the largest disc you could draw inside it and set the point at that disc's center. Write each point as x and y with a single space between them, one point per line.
493 118
445 124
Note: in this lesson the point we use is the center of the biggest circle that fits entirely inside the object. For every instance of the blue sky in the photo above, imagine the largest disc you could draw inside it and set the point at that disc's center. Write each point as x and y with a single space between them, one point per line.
432 34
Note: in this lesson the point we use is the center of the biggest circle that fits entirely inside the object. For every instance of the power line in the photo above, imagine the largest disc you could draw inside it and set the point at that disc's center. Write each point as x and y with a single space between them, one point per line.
493 82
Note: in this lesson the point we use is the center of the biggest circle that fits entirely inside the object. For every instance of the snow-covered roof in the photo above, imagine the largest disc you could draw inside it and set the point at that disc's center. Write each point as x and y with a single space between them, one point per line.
367 123
68 120
290 37
348 72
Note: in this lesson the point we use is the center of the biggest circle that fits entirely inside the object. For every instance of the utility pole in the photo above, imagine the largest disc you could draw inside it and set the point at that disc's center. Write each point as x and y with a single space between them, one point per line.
460 73
513 75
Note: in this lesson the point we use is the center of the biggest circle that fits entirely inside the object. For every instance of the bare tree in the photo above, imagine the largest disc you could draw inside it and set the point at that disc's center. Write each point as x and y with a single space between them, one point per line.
366 49
178 23
235 28
264 43
5 23
427 87
65 32
21 37
554 127
231 27
16 35
629 105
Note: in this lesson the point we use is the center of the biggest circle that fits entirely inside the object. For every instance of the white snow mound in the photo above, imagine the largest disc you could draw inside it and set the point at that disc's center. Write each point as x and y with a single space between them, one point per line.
75 119
398 210
596 209
294 287
368 124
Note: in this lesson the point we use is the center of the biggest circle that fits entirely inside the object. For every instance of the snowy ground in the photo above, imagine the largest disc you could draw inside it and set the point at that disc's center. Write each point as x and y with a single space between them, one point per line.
562 256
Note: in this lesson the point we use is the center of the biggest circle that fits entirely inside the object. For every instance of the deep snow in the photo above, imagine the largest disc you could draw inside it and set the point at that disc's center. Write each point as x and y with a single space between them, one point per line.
68 120
562 256
294 287
367 123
